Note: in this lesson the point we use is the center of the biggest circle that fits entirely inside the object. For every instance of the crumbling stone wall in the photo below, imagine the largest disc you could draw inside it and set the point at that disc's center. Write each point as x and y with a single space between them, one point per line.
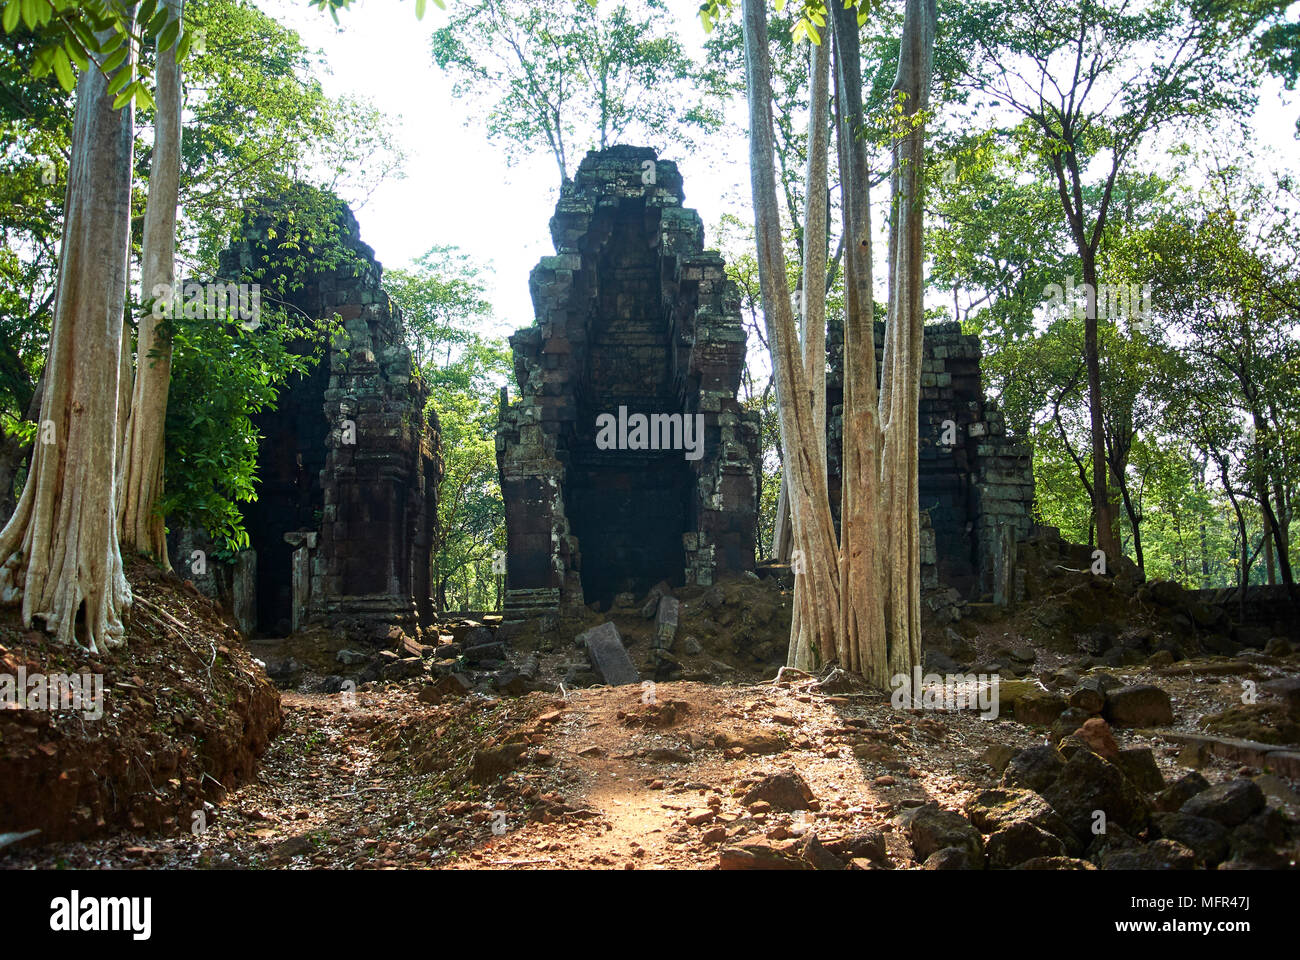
348 464
633 316
976 483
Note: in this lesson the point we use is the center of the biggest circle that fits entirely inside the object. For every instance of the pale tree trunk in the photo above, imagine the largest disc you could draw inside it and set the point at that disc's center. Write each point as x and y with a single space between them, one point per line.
901 385
813 304
859 606
60 549
863 640
805 469
814 243
140 524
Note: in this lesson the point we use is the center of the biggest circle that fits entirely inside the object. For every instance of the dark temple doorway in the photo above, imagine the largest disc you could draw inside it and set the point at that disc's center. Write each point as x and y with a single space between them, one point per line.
628 508
290 457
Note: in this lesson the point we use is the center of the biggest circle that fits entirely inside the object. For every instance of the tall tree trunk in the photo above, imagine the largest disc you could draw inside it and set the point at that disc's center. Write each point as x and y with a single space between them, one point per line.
843 608
862 641
140 524
901 386
1101 505
813 295
1135 524
1270 569
805 470
60 549
815 221
781 539
13 453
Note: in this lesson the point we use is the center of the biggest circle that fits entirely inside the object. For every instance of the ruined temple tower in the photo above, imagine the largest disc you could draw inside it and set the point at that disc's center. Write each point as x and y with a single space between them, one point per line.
633 316
348 462
975 482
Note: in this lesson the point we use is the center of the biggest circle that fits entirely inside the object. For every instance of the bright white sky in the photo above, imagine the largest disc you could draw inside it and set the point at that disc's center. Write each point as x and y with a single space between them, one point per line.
458 189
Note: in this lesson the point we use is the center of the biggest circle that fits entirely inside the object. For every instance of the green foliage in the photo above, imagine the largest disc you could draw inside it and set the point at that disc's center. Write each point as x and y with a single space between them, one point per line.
1229 292
446 312
565 76
35 131
255 116
807 17
443 300
332 7
74 35
1275 41
221 376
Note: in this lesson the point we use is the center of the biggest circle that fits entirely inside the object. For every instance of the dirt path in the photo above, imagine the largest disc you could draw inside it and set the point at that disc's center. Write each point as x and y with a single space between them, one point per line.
601 778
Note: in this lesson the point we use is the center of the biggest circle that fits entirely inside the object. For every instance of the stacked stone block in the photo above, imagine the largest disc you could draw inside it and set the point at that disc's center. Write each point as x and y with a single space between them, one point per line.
976 491
364 490
631 312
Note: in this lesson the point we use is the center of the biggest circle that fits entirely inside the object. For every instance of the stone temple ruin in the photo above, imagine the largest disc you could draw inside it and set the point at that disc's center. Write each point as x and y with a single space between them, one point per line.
348 464
632 313
633 316
634 319
976 483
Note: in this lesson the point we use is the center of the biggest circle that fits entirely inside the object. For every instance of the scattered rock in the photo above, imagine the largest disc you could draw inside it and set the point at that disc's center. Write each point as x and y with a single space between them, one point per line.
931 828
1139 765
1034 768
997 756
666 622
1143 705
1096 734
785 790
403 669
867 844
1265 722
1088 784
755 743
1056 863
668 755
650 605
1039 709
491 762
1205 838
1088 697
952 858
994 809
1256 840
816 855
1070 720
1157 855
1021 841
759 856
1228 803
1161 658
483 652
1172 797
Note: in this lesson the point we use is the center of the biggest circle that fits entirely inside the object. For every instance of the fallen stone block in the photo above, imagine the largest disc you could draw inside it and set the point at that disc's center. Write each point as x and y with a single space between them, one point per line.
666 622
608 656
